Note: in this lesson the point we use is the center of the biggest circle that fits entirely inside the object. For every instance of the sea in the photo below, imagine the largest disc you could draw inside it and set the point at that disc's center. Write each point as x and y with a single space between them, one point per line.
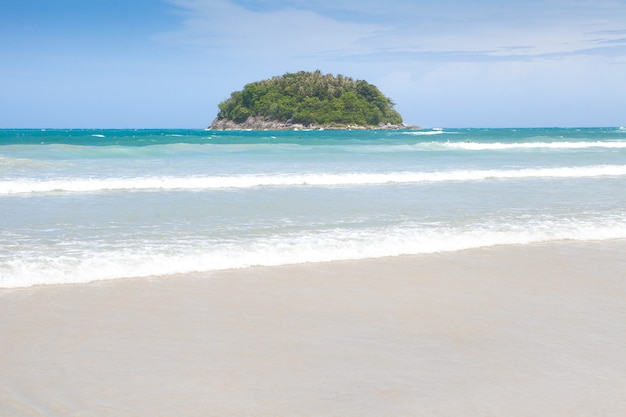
81 205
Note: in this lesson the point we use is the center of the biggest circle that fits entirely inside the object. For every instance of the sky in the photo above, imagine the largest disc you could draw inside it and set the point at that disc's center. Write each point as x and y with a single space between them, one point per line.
445 63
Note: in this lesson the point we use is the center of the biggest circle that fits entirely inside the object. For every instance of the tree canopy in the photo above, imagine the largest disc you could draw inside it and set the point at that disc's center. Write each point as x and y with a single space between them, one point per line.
311 98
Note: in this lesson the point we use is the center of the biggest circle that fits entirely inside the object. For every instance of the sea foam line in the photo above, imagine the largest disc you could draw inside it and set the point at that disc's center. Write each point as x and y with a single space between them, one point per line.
478 146
281 180
429 133
163 259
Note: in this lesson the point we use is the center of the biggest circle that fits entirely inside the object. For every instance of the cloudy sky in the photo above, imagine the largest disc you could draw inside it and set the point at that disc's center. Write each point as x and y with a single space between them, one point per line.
446 63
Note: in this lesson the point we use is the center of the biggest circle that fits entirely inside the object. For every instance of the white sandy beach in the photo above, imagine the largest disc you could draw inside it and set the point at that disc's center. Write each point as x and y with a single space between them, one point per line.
534 330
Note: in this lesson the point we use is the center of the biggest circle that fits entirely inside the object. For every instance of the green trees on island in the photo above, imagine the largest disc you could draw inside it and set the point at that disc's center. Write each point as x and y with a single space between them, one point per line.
311 98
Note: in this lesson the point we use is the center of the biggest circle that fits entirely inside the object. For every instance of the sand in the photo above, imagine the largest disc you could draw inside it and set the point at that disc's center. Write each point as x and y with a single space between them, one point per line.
536 330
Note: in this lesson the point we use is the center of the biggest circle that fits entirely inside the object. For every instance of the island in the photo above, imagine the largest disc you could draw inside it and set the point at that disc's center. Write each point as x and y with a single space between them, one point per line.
308 100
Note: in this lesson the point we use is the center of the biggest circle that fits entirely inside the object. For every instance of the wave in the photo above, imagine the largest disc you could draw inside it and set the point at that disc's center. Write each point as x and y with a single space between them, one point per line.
143 259
88 185
429 132
478 146
59 153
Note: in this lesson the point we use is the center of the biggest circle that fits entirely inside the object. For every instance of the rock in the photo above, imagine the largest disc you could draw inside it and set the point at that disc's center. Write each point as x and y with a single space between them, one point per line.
259 123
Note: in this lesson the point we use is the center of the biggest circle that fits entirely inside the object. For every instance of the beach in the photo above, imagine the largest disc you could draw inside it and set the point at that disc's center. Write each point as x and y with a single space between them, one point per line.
510 330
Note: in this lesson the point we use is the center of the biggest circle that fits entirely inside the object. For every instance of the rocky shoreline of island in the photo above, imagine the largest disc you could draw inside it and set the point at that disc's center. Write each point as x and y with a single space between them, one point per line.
261 123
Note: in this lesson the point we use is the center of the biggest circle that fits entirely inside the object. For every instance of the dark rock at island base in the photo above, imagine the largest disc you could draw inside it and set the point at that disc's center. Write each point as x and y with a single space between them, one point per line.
258 123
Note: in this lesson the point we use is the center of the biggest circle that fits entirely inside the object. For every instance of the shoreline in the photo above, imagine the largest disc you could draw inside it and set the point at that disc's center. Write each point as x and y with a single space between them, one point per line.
508 330
260 268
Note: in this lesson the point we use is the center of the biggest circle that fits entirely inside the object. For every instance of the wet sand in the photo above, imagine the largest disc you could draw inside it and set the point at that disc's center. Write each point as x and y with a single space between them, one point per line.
535 330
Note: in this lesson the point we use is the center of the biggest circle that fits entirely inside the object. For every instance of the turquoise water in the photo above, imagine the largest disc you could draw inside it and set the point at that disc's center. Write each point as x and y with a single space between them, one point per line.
82 205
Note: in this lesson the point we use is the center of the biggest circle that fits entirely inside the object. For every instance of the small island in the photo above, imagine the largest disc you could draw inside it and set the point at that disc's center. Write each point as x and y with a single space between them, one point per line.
308 100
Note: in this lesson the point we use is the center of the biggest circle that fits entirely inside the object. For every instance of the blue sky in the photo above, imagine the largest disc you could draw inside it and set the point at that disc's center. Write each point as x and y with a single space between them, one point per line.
446 63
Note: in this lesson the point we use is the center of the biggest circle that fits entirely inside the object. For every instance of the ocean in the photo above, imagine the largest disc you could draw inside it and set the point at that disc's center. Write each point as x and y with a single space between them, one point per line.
84 205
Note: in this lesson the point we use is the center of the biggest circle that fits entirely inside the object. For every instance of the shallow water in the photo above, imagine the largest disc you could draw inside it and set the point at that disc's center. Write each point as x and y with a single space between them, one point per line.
81 205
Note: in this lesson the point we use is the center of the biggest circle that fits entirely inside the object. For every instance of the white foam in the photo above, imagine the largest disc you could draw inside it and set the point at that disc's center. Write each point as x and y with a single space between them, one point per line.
428 132
86 185
141 260
480 146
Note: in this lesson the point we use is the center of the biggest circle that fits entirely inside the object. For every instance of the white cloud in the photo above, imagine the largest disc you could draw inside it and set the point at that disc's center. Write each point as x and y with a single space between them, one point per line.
232 29
449 30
